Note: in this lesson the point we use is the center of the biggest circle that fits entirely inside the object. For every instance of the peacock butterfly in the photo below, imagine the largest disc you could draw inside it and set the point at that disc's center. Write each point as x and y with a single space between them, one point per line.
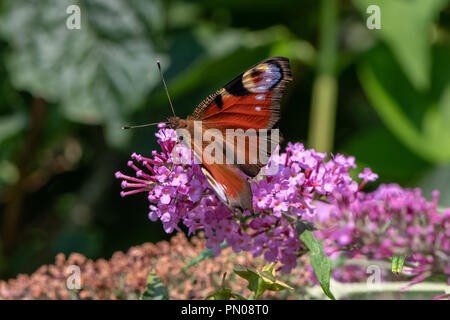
248 103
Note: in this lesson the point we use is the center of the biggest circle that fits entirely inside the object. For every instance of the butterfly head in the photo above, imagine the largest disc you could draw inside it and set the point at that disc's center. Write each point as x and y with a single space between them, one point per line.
174 122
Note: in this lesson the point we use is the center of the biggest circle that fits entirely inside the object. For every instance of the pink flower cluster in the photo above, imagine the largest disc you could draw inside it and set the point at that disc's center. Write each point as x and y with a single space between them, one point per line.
179 193
377 225
389 221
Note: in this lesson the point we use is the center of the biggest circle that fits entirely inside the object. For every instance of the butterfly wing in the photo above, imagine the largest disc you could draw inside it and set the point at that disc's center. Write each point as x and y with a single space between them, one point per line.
250 101
225 179
229 185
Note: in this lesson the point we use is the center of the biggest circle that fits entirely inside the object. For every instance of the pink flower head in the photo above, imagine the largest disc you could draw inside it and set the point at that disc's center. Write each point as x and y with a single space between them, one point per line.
390 220
368 175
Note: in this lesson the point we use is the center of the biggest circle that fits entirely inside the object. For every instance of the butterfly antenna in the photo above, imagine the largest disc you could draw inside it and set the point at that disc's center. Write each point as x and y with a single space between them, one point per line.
165 87
168 97
141 125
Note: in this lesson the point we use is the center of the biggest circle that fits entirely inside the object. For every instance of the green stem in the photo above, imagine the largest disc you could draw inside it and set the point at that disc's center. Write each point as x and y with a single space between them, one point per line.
324 94
342 290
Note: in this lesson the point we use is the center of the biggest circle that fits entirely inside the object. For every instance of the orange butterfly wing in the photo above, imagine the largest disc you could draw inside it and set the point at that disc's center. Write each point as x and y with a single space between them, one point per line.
229 185
250 101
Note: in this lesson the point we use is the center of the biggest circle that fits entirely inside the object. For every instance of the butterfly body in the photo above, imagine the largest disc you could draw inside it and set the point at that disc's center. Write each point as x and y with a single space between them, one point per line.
249 106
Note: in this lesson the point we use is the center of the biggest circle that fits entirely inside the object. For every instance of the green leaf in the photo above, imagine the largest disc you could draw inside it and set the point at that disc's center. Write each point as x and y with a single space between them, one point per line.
436 130
401 166
155 289
271 283
397 264
251 276
438 178
406 27
100 73
224 293
319 261
418 120
205 254
260 281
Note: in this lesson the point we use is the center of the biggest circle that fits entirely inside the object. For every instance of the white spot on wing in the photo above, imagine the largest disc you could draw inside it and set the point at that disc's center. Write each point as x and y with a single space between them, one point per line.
217 187
260 97
258 109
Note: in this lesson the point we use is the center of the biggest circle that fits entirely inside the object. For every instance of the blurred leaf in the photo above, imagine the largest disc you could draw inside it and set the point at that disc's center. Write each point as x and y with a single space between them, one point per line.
296 50
154 289
444 104
243 50
405 110
74 238
437 179
9 173
436 131
99 73
371 147
23 258
405 27
11 125
205 254
319 261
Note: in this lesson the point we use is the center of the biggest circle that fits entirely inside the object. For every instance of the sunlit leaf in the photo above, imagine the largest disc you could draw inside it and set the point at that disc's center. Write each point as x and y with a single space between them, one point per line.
260 281
249 275
319 261
154 289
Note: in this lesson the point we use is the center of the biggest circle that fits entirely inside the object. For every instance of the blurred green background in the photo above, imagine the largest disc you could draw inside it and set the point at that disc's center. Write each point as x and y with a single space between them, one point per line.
380 95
